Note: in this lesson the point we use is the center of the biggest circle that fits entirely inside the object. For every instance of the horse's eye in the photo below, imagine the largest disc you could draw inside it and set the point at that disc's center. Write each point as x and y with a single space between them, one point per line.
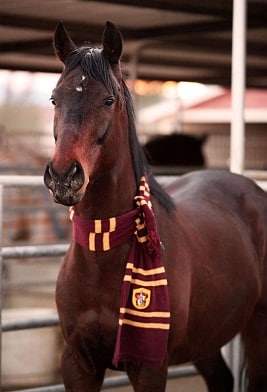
109 101
53 101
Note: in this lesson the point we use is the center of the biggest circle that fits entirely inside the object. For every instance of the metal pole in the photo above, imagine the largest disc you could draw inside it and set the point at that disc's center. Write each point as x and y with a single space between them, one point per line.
1 276
16 181
18 252
237 144
132 68
122 380
30 323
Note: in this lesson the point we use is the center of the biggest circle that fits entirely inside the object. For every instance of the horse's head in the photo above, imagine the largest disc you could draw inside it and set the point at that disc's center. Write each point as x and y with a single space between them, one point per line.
88 108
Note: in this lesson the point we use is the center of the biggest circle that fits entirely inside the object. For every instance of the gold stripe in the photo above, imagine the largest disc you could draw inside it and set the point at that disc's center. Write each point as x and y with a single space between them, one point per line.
92 241
98 226
145 325
140 226
144 314
106 244
112 224
142 239
153 283
153 271
127 278
139 282
157 270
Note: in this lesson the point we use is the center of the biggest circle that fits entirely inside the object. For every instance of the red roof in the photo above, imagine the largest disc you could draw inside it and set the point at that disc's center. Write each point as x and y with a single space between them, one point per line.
255 99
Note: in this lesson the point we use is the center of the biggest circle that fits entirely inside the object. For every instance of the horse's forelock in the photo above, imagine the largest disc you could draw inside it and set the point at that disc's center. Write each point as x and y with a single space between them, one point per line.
94 65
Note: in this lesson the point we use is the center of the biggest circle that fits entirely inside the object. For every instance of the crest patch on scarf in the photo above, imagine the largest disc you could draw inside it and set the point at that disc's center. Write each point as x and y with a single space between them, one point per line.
141 298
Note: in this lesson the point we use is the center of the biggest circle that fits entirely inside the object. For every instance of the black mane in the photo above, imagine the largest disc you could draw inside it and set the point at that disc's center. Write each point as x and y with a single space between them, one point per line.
95 65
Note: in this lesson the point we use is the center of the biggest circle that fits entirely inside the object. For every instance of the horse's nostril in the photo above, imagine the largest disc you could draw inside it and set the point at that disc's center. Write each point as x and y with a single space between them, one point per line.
71 180
76 176
48 176
73 170
50 171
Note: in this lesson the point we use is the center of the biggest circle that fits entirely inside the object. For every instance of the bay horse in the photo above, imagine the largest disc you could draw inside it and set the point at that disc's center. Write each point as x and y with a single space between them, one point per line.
176 149
213 237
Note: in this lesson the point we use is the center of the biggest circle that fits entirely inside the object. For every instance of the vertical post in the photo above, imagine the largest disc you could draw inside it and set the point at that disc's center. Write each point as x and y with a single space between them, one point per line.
237 141
133 73
133 67
1 275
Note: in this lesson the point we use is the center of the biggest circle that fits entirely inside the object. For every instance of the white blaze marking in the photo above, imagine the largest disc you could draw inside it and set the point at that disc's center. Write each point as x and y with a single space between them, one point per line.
80 88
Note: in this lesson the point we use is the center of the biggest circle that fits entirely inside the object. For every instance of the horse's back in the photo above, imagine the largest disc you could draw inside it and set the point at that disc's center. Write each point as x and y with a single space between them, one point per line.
221 221
208 183
221 193
223 204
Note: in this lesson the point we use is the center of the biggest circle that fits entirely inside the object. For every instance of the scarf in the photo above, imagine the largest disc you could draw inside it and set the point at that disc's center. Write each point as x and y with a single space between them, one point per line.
144 318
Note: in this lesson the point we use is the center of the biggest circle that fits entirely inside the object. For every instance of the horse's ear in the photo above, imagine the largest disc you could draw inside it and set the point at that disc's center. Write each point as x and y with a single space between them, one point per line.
63 44
112 43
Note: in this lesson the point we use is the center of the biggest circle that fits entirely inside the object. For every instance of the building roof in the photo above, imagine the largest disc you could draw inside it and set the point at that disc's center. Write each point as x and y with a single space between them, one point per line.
218 108
181 40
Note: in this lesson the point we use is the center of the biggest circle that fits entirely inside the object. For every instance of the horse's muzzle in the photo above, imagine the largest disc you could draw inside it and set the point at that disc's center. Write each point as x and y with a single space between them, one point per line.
65 187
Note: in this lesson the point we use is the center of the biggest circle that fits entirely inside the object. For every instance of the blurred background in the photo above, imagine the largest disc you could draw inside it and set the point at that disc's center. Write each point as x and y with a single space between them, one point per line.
177 62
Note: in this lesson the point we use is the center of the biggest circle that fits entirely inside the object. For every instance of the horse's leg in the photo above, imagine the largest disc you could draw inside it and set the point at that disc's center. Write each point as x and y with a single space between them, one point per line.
146 379
76 378
255 342
215 372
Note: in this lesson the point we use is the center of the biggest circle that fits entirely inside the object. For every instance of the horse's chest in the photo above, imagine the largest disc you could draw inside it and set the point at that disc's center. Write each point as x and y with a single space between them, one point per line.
98 327
88 308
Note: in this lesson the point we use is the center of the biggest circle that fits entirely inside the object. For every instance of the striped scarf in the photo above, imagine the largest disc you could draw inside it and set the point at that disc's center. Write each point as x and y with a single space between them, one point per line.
144 318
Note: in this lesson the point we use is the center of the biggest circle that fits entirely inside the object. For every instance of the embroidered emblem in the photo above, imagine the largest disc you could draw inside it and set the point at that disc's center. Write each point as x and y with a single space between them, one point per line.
141 298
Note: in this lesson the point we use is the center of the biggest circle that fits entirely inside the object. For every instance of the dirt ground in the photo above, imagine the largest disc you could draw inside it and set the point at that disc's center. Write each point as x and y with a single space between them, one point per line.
182 384
185 384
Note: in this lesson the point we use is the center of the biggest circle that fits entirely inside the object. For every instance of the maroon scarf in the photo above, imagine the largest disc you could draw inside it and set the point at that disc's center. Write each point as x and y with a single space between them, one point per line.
144 318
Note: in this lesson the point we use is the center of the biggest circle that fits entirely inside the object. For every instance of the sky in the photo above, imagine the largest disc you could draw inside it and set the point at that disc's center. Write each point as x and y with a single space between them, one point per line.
26 87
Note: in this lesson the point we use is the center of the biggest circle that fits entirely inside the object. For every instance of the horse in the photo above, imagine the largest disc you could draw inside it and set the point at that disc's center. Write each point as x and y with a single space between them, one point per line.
176 149
211 227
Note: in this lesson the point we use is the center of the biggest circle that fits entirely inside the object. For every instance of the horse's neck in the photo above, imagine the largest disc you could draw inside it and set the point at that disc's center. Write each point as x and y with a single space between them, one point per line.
110 195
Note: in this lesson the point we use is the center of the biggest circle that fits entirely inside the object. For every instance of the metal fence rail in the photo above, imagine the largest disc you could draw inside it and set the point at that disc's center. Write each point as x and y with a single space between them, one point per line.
120 381
20 252
36 322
